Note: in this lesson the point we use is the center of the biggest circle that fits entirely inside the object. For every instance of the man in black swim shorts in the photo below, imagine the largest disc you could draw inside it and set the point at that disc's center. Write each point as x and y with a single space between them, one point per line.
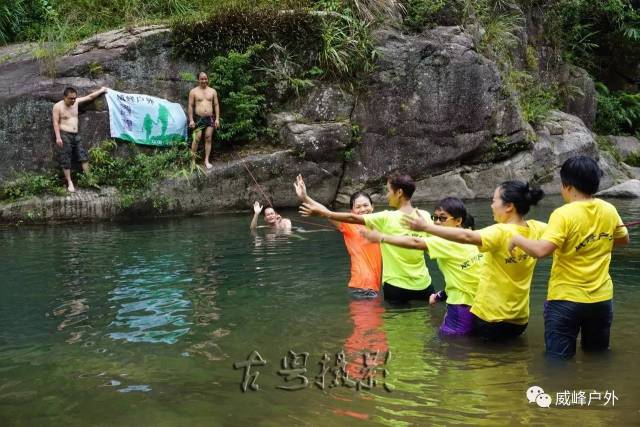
203 102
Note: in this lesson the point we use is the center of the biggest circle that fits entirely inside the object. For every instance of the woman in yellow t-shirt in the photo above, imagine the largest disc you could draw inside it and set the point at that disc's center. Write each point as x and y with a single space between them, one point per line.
501 304
460 264
581 236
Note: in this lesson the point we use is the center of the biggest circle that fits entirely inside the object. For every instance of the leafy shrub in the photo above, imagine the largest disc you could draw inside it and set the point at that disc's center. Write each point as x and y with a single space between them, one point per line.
347 48
238 27
428 13
30 184
633 160
618 113
134 175
605 144
536 99
241 100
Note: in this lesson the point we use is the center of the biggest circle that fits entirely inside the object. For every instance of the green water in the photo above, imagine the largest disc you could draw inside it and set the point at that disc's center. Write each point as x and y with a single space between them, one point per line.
140 324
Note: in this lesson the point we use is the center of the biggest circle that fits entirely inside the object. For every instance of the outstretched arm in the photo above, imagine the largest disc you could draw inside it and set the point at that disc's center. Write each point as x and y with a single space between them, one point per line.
621 241
307 209
460 235
534 248
93 95
256 213
401 241
301 192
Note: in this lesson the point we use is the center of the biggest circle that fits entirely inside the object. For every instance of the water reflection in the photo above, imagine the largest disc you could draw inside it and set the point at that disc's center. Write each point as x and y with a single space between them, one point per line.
152 306
73 307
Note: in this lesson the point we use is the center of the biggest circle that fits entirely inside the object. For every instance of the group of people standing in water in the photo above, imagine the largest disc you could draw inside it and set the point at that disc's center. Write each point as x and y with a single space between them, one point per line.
488 272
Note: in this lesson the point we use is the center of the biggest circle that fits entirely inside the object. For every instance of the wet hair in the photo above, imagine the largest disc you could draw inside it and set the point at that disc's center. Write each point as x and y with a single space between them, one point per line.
455 207
201 73
402 182
582 173
68 91
264 209
521 195
357 194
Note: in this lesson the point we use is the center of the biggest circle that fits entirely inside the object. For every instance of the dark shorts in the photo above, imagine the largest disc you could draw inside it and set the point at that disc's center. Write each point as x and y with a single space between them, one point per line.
396 295
203 122
496 331
563 320
71 147
458 320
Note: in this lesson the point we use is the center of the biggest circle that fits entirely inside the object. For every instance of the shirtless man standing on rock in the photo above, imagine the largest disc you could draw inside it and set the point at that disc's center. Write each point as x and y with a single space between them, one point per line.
65 127
204 100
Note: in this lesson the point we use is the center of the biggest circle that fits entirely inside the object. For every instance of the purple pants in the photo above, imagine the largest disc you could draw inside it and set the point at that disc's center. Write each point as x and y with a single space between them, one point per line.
458 320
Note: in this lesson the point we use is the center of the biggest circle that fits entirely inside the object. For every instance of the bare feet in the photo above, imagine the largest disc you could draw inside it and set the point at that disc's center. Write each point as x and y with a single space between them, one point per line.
208 165
71 188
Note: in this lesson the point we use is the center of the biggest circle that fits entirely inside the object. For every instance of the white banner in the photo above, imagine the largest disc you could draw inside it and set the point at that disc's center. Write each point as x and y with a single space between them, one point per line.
145 119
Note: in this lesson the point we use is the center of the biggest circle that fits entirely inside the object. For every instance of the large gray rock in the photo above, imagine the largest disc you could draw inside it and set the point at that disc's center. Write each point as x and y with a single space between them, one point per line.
137 59
627 190
561 136
84 205
434 103
626 145
580 95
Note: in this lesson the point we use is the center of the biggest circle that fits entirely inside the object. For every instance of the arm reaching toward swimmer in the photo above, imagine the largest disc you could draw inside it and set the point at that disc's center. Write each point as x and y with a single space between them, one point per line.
460 235
401 241
307 209
301 192
534 248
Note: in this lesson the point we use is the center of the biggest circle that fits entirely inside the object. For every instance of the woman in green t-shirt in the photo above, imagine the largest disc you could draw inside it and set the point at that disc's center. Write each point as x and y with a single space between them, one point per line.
501 304
459 263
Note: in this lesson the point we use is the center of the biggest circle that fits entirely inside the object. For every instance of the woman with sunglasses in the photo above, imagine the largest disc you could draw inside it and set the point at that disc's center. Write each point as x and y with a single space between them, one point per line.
459 264
500 308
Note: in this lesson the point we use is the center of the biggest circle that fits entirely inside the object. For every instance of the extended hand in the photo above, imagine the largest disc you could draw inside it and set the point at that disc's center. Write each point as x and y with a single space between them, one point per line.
415 223
307 209
371 235
257 208
301 189
433 299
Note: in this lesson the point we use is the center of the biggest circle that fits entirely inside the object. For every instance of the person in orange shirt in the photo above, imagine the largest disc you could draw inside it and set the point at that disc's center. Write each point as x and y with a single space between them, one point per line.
366 260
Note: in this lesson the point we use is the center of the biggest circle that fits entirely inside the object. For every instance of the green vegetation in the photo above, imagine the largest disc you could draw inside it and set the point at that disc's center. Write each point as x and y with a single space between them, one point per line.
241 100
134 175
618 113
605 144
31 184
633 160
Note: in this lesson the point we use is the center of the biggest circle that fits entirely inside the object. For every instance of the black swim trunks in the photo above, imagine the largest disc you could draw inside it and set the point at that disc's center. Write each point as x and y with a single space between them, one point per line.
70 146
203 122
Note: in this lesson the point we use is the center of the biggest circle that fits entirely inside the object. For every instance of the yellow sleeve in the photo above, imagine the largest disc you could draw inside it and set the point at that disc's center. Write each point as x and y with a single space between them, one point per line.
619 232
436 247
556 230
377 221
492 238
